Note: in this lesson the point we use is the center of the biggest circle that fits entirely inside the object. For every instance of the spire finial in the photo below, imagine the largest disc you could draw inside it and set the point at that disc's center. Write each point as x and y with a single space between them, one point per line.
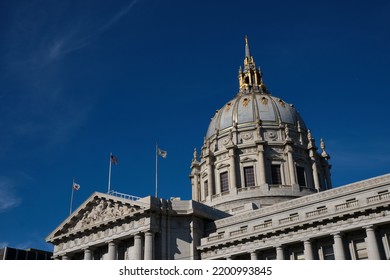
247 50
250 79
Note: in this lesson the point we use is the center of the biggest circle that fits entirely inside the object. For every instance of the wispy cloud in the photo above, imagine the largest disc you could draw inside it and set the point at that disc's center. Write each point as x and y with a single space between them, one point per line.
124 11
71 40
8 199
38 104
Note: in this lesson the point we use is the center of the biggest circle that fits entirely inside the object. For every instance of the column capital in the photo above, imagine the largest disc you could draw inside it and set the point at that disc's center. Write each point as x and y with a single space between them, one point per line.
112 241
288 148
369 227
90 248
260 146
305 240
65 256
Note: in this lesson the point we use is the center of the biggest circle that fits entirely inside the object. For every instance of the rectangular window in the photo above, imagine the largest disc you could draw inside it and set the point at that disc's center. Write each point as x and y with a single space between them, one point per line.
206 188
276 176
224 182
249 176
301 176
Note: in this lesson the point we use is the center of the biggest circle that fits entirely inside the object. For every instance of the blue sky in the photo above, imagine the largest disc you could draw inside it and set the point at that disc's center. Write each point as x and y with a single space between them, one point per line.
81 79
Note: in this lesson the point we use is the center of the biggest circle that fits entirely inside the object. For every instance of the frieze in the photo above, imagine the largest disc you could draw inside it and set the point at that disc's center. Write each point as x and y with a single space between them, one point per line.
101 211
104 234
249 151
222 157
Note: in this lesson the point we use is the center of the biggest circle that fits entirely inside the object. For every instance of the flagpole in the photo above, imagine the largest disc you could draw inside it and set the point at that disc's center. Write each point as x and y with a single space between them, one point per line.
71 199
109 174
156 170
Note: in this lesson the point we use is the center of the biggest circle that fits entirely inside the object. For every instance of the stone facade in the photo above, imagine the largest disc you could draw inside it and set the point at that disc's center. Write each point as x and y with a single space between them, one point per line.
260 190
350 222
117 226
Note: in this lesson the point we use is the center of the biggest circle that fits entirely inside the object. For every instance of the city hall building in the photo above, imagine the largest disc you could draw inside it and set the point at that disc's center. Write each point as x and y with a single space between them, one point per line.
261 190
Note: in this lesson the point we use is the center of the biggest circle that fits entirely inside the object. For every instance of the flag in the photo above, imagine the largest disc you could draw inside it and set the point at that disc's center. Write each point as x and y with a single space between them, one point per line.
114 159
162 153
76 186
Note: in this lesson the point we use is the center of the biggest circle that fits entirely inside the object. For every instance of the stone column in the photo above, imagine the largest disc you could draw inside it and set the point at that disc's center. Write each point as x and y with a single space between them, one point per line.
233 181
148 254
195 188
112 251
338 247
315 175
308 251
88 254
261 170
372 244
210 176
279 253
137 247
254 255
291 165
195 169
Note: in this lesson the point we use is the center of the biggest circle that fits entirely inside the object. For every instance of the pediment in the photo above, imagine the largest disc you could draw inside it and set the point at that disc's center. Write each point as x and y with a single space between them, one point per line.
97 211
222 165
247 159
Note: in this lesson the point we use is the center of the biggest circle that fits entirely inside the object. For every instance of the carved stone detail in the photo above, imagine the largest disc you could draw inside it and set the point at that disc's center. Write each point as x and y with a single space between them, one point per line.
103 210
247 135
271 136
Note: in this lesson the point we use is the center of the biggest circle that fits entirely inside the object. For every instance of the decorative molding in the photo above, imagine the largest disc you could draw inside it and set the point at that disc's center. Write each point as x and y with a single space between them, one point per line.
247 135
222 165
271 136
247 159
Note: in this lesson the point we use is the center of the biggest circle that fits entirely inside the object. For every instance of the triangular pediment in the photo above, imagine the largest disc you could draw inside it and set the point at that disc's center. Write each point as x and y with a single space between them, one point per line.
97 211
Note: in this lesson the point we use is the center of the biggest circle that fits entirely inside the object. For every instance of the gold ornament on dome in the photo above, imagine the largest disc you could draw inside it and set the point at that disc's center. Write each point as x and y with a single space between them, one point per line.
228 106
264 100
245 102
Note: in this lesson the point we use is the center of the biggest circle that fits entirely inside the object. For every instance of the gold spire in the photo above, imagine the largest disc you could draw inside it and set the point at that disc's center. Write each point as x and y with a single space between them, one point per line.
250 80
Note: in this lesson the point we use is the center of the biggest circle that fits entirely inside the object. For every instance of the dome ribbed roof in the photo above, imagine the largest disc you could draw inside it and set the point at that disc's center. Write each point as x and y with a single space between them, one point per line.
250 109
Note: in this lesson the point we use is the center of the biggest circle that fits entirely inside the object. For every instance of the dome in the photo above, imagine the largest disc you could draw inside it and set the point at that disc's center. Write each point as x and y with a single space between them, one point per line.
257 151
247 110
